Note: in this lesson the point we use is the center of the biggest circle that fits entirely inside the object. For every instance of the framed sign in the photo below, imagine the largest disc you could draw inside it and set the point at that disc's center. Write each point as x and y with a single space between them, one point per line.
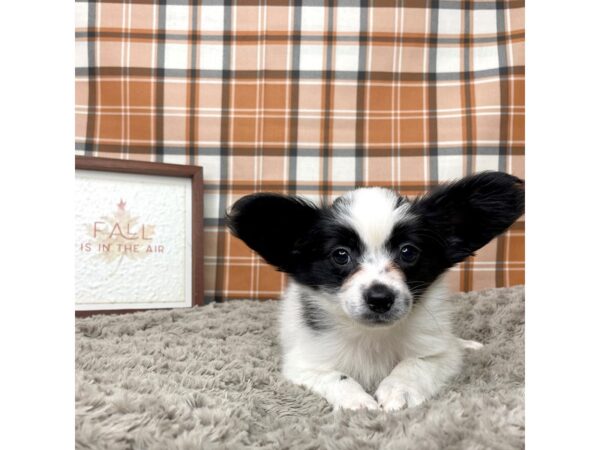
138 236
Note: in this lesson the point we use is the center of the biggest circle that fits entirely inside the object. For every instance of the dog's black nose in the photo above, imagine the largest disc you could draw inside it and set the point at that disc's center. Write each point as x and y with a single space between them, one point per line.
379 298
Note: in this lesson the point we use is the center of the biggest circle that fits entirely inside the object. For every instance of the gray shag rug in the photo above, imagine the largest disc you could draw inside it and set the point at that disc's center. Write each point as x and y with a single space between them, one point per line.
208 377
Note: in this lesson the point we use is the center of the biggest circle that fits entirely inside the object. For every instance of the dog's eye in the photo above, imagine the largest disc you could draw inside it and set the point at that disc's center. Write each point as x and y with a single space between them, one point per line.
340 256
409 253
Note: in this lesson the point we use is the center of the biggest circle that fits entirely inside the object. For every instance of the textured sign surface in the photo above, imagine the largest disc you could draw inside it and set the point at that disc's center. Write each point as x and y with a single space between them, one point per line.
132 241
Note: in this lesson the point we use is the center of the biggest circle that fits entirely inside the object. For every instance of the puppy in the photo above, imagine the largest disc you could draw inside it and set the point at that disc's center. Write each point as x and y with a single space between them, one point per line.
366 309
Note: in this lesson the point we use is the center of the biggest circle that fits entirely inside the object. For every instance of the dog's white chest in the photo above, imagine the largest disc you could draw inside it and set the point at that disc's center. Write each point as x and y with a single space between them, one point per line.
367 357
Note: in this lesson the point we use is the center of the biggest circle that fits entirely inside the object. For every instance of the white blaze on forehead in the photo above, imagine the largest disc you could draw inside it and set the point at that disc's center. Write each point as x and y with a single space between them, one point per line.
372 212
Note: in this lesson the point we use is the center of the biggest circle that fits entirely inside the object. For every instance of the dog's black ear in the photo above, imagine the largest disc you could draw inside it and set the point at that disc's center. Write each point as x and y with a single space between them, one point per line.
469 213
271 224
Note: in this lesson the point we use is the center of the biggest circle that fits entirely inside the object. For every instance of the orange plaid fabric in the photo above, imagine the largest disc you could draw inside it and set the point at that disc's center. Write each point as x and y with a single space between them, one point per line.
307 99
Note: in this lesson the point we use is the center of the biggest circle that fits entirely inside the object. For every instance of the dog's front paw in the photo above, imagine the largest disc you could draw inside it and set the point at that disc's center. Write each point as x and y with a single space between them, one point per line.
394 394
356 400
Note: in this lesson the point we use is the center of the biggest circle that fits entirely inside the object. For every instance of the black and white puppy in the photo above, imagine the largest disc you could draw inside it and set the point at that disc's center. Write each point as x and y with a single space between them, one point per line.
366 309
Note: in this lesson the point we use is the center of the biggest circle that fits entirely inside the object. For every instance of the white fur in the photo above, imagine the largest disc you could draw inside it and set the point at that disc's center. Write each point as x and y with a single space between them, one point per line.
404 364
372 213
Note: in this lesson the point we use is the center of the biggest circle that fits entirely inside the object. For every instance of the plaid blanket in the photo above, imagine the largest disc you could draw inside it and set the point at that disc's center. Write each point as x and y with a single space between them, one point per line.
307 99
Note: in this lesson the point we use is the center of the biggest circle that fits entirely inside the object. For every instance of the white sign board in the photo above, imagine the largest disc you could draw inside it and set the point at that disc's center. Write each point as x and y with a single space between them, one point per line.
133 241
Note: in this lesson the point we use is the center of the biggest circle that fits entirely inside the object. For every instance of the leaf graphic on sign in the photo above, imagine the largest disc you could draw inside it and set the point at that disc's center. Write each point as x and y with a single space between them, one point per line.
118 235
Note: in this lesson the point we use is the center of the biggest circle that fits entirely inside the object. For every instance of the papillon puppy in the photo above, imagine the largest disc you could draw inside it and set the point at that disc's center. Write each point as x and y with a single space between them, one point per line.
365 320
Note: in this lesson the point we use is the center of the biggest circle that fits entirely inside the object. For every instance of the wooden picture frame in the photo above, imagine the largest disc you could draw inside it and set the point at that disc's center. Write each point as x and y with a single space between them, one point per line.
194 173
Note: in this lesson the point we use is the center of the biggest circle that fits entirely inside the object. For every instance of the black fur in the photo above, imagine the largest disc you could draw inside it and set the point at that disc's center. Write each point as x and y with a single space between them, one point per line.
314 317
455 220
313 264
271 224
470 212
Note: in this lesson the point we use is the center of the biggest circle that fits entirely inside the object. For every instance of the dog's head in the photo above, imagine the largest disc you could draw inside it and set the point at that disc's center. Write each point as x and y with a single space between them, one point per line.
372 252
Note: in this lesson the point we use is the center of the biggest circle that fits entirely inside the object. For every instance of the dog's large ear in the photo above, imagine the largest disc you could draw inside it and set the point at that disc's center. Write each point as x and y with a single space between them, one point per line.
470 212
271 224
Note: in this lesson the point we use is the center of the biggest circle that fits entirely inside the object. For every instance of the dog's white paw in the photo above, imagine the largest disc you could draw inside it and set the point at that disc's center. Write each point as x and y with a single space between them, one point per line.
394 394
356 400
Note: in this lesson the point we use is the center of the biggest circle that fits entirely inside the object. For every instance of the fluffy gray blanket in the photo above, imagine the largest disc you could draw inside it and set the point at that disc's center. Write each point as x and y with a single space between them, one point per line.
208 378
